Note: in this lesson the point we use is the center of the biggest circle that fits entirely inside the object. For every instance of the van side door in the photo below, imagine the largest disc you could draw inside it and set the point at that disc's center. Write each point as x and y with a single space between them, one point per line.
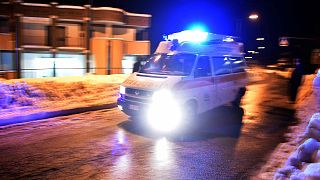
222 80
205 86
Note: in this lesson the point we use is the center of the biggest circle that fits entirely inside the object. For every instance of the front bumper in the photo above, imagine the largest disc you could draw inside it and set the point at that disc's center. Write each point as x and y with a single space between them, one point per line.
132 108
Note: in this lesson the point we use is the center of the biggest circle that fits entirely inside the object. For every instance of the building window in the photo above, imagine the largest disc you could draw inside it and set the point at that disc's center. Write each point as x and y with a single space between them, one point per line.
39 64
99 30
36 65
69 35
70 64
35 31
6 61
128 62
4 25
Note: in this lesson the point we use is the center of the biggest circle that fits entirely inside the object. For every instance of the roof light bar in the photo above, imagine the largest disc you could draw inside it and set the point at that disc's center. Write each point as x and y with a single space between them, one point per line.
189 35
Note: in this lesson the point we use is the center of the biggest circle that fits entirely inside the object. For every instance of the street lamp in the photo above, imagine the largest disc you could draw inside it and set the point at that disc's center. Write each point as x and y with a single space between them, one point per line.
253 16
260 39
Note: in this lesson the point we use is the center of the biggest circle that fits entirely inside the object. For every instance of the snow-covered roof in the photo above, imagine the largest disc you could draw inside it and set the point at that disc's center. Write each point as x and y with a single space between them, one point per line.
35 47
121 10
108 9
70 20
70 7
71 48
108 22
5 34
139 15
36 4
39 20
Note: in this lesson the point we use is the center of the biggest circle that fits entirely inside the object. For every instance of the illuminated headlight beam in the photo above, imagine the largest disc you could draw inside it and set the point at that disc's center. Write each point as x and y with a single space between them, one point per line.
164 113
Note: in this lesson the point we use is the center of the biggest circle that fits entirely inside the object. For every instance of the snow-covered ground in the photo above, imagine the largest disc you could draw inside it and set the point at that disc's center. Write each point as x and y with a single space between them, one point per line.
26 96
307 104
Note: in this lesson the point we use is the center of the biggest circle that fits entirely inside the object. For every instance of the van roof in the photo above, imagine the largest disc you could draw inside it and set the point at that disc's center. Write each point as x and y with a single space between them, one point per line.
201 43
212 49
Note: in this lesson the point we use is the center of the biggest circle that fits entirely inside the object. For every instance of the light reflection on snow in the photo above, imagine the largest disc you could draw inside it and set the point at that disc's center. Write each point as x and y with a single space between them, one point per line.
120 145
121 168
162 150
121 159
120 136
251 101
122 163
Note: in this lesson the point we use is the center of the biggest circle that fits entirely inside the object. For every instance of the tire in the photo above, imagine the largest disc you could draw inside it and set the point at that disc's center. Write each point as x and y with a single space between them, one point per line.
236 102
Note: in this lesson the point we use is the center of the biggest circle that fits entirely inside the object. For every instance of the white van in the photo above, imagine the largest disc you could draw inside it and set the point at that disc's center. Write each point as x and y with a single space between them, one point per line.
184 77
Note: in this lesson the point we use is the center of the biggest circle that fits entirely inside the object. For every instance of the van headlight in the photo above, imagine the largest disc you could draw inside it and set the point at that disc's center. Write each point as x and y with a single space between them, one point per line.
122 89
164 113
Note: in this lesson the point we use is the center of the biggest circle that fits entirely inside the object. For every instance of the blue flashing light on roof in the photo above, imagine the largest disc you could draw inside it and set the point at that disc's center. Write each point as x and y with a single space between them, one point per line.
190 36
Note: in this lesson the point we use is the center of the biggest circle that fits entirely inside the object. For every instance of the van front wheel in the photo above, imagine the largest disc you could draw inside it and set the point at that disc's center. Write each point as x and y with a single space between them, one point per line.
236 102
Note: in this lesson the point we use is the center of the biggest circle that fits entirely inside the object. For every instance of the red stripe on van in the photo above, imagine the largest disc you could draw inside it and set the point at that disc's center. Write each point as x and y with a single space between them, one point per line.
230 77
207 81
194 83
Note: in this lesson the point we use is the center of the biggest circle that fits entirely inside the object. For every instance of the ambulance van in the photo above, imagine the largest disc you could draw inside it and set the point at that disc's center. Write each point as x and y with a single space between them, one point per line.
190 73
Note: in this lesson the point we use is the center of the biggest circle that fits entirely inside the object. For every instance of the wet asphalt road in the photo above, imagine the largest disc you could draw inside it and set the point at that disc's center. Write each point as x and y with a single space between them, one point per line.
226 143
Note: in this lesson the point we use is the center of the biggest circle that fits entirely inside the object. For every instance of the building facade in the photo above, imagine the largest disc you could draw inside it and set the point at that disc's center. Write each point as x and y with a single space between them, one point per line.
49 40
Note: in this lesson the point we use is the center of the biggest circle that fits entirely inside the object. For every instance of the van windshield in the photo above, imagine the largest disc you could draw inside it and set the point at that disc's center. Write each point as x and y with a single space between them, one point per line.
178 64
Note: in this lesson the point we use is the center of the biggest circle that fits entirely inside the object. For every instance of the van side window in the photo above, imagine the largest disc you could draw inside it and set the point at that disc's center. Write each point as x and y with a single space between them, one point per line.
221 65
237 64
203 68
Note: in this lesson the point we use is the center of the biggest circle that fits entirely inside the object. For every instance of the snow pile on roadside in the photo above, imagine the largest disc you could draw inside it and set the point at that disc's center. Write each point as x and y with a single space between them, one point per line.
316 85
26 96
304 163
18 94
305 90
307 105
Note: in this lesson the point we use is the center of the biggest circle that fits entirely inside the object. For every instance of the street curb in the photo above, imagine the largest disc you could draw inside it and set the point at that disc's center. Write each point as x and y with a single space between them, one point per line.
51 114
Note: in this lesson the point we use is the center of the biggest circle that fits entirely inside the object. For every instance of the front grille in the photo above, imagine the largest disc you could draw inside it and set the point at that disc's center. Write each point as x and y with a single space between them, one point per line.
134 99
138 92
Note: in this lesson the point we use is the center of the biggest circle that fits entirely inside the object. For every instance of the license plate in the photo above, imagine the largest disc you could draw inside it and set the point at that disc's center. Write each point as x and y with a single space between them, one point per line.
133 107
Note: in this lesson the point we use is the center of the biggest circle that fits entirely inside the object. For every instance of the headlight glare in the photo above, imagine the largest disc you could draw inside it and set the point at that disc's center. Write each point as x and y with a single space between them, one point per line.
164 112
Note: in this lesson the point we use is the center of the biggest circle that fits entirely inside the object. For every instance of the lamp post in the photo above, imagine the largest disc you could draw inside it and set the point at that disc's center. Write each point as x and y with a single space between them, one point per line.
254 18
251 17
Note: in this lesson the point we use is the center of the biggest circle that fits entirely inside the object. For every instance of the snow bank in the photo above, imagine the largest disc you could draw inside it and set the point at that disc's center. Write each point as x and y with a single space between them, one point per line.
304 163
314 127
18 94
316 85
27 96
284 154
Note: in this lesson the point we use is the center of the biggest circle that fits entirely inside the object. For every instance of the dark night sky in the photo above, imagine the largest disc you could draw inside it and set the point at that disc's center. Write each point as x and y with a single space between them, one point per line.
278 17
